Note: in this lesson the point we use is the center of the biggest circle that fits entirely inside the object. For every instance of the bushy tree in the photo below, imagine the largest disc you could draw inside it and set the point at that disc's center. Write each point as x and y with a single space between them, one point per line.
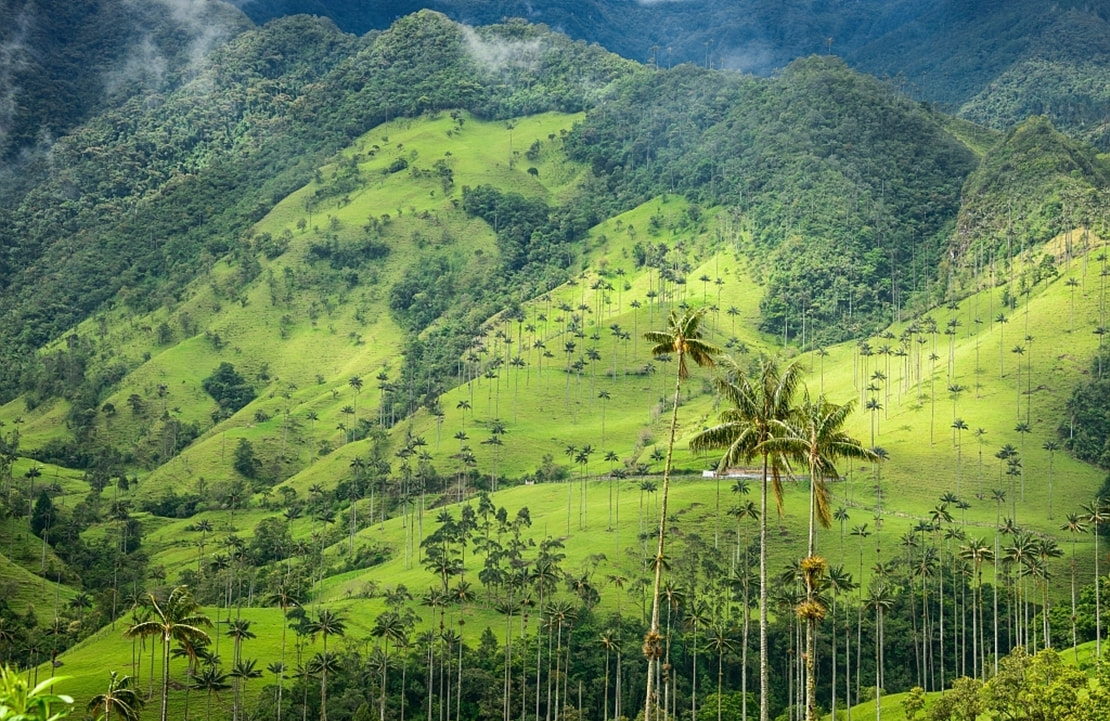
228 388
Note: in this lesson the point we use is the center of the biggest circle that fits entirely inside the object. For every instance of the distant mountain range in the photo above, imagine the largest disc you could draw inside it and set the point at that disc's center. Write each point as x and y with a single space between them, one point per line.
995 63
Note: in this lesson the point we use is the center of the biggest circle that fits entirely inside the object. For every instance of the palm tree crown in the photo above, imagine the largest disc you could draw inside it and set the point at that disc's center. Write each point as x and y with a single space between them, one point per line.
178 619
119 698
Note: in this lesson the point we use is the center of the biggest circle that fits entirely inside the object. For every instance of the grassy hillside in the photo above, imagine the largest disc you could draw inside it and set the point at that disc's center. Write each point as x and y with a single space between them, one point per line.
558 408
454 304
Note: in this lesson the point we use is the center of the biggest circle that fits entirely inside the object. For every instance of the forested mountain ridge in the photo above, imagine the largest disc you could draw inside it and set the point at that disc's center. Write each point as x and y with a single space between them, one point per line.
993 63
254 122
845 194
844 183
1034 184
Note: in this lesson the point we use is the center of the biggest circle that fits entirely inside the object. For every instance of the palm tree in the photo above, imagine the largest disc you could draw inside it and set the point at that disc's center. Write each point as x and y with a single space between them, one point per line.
239 630
284 598
860 532
1051 447
241 671
191 652
840 581
881 599
125 701
178 619
874 406
816 438
1096 513
327 623
1074 526
1043 550
389 626
355 383
211 680
682 338
977 551
720 642
609 641
958 427
760 405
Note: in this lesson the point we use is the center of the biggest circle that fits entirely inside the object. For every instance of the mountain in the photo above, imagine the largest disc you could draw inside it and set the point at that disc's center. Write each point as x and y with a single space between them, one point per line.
361 319
995 64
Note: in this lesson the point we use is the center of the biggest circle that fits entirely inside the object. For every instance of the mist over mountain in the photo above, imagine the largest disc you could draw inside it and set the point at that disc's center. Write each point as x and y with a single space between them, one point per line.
995 63
752 35
63 62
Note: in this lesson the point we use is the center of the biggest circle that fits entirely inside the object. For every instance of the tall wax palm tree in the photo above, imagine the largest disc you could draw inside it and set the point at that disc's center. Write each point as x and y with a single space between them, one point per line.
355 382
242 671
211 680
760 404
389 626
1045 549
284 598
720 642
681 338
239 629
1095 513
840 581
177 619
977 551
120 698
816 438
881 599
1074 525
608 641
860 532
327 623
1051 447
191 651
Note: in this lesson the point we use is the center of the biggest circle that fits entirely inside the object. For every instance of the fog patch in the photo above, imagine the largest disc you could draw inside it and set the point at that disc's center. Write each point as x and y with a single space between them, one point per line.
13 57
201 25
755 57
498 56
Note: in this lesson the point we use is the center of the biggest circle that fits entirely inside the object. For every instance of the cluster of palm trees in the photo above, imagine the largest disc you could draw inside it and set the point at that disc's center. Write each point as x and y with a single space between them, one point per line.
762 420
178 619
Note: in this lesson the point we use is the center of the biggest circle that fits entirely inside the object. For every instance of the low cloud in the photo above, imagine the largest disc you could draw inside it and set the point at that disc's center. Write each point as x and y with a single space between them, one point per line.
13 57
497 55
203 25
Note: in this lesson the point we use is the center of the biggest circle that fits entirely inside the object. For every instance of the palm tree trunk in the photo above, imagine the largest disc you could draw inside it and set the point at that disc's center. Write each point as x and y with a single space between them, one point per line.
745 633
281 673
1098 608
385 672
811 669
323 684
720 680
605 704
832 686
652 640
764 669
165 673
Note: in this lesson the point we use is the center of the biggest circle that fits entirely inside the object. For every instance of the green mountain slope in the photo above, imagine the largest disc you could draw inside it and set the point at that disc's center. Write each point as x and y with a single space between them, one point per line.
430 277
